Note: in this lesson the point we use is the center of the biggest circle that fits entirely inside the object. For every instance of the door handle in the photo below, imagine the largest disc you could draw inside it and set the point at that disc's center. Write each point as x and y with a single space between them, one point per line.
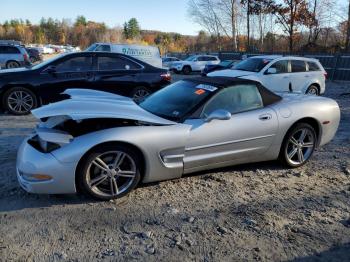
285 77
307 76
265 117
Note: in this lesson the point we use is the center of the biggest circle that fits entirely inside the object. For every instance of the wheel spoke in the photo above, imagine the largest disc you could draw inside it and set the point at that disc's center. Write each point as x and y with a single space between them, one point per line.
27 106
293 141
292 153
302 135
101 164
118 160
300 155
126 173
114 186
98 180
309 144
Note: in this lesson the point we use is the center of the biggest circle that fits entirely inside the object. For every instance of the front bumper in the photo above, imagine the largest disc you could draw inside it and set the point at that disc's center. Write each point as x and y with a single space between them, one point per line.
31 161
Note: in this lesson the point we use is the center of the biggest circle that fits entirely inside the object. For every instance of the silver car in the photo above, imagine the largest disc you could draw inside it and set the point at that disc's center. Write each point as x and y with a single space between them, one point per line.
105 144
13 56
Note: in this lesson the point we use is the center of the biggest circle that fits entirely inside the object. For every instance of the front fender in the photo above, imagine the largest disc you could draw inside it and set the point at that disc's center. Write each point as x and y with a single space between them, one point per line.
162 147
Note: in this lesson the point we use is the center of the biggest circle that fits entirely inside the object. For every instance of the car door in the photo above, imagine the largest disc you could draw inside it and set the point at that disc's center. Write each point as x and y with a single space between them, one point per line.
299 77
247 135
277 76
200 64
116 74
70 72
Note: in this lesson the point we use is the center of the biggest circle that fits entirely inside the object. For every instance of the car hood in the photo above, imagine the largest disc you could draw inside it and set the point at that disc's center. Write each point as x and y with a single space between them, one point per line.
231 73
85 104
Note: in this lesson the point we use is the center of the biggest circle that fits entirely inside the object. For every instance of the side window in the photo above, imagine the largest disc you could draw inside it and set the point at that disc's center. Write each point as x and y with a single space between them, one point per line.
211 58
281 66
201 58
235 99
313 66
103 48
11 50
115 63
2 49
298 66
75 64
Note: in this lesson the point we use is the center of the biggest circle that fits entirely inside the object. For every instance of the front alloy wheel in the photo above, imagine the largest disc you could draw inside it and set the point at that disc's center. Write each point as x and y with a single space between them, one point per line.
110 172
299 145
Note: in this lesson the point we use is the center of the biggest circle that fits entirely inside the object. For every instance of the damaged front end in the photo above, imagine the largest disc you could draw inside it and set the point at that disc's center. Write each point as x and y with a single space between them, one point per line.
87 111
54 132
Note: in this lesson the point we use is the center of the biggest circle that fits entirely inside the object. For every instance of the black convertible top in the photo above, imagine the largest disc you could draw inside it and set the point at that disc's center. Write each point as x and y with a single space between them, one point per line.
219 81
267 96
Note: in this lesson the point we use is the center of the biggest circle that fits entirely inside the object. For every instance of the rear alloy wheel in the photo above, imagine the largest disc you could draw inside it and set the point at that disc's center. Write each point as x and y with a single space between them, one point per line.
139 94
312 90
298 145
186 70
19 101
12 64
110 172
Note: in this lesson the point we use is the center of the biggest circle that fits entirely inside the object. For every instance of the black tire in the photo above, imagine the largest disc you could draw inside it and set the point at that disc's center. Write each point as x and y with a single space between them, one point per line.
139 93
288 147
187 70
29 101
313 90
86 167
12 64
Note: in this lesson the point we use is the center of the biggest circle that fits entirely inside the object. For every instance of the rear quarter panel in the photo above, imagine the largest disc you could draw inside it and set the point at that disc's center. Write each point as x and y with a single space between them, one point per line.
294 108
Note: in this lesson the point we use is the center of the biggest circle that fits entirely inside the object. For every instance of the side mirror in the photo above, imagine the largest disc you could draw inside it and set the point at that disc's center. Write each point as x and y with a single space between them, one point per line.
50 69
219 114
271 70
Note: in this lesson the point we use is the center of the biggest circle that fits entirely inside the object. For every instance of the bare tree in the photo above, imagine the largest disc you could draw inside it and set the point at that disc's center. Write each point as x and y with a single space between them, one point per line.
347 41
291 14
218 17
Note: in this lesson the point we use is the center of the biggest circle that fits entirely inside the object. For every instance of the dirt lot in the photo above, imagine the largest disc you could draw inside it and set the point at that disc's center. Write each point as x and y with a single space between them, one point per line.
250 212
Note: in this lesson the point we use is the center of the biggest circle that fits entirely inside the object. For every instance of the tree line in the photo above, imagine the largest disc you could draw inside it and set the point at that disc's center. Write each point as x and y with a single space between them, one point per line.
275 25
231 25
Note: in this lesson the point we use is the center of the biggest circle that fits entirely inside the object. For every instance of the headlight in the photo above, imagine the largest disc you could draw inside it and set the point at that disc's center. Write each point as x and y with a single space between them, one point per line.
48 140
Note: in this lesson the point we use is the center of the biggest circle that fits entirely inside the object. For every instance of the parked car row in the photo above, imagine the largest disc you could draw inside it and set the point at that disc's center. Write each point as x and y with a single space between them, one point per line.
13 56
195 63
281 73
27 88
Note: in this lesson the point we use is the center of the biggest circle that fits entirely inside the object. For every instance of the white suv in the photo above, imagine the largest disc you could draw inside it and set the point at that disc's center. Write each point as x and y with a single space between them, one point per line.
281 74
194 63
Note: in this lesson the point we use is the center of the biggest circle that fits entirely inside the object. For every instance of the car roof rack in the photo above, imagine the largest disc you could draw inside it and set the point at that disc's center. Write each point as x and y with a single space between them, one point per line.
10 42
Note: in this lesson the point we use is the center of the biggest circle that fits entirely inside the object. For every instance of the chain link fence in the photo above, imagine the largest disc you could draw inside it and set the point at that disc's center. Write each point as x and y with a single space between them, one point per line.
336 65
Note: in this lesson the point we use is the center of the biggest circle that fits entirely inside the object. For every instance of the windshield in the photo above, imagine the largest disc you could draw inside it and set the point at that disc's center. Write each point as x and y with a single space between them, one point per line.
91 48
252 64
48 61
191 58
177 100
225 63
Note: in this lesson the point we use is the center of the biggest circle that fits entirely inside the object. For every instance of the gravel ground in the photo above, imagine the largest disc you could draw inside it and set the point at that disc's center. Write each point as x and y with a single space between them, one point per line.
249 212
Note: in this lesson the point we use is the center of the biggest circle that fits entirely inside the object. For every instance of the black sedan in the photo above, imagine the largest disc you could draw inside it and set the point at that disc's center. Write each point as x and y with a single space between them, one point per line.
225 64
34 55
24 89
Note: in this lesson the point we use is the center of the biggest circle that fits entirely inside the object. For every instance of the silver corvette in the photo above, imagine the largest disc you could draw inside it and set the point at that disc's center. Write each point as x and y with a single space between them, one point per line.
105 144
